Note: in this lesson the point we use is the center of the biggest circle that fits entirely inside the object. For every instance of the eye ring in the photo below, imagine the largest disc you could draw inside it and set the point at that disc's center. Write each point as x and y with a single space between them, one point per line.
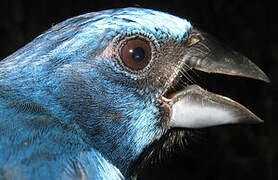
135 53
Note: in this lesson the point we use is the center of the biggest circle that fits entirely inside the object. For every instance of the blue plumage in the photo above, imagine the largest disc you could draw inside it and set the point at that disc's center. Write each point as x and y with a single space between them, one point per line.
64 72
71 107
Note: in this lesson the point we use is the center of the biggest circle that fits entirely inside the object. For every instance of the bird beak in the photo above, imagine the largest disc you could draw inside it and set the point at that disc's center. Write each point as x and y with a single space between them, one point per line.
195 107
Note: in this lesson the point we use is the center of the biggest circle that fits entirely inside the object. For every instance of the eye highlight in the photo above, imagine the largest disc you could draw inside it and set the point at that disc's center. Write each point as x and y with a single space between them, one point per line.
135 53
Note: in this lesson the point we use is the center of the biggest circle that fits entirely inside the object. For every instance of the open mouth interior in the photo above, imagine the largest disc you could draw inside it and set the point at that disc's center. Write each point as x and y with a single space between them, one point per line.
182 80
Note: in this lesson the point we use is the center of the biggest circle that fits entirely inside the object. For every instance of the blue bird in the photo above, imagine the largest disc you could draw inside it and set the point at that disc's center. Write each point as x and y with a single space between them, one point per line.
86 98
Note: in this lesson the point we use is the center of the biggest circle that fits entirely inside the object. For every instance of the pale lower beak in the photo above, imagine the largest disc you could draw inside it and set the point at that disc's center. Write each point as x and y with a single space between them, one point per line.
195 107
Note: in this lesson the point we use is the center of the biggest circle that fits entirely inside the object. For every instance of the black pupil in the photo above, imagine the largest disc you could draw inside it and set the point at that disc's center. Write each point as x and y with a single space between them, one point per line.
138 54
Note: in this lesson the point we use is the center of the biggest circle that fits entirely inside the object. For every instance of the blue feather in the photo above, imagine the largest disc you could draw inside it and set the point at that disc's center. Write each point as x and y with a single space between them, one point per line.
67 108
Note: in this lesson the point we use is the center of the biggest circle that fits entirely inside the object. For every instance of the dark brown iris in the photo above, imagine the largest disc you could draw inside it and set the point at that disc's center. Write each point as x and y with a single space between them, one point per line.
136 54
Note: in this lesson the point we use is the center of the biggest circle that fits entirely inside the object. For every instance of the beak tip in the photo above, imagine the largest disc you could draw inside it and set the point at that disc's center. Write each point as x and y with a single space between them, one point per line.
254 120
260 121
266 79
260 75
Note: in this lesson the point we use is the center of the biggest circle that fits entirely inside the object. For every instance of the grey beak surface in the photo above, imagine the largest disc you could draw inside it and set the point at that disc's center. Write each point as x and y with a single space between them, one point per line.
208 55
195 107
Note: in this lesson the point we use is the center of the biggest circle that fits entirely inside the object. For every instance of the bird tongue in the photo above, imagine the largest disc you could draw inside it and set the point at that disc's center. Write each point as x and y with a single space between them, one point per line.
195 107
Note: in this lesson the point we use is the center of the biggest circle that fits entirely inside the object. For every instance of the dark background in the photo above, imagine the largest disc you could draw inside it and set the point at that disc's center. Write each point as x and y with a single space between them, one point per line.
250 27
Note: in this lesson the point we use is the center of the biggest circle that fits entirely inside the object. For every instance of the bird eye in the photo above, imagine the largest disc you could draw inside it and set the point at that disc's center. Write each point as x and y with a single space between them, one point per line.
136 54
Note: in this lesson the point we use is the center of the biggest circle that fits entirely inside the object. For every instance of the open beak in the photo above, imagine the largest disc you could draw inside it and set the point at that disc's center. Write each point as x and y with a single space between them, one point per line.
194 107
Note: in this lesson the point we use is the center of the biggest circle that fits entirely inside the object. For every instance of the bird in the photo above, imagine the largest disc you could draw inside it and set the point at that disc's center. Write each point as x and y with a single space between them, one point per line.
93 94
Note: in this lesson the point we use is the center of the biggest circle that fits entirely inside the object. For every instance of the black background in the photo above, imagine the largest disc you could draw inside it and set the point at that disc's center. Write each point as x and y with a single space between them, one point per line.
250 27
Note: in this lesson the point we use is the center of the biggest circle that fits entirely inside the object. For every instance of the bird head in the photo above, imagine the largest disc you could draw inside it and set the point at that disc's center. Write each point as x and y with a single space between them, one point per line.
120 79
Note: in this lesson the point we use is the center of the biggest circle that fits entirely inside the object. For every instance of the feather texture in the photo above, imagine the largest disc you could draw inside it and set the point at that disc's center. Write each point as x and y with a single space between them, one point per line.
68 110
